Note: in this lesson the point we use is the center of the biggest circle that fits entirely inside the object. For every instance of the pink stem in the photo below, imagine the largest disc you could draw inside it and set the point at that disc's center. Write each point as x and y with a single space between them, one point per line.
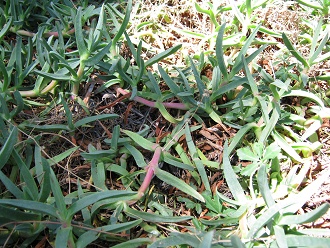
173 105
55 34
48 34
153 164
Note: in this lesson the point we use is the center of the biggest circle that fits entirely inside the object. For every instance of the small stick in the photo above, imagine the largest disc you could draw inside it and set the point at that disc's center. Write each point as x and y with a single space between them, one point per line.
120 99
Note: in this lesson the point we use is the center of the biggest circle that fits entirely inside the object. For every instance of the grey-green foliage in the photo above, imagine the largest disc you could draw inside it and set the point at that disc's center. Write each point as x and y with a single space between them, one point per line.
262 201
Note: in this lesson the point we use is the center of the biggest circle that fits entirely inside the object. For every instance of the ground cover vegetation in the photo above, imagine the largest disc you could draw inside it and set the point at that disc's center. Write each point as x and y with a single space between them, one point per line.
164 123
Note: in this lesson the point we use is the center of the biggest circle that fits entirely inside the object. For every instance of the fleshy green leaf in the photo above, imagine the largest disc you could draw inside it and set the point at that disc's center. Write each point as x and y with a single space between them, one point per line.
64 62
28 179
307 94
238 65
92 61
300 198
246 153
280 237
58 196
206 240
5 78
236 242
152 217
267 216
94 118
138 139
293 51
62 76
10 186
122 28
239 136
6 27
174 88
200 84
165 113
92 235
35 206
178 183
306 241
16 215
305 218
252 83
176 240
162 55
220 53
231 178
199 164
134 243
96 197
286 147
63 236
8 146
54 160
270 125
98 174
271 151
82 49
138 157
264 187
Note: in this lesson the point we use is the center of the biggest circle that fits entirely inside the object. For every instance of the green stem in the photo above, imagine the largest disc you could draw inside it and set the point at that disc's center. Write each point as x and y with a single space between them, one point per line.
78 79
23 32
49 87
35 93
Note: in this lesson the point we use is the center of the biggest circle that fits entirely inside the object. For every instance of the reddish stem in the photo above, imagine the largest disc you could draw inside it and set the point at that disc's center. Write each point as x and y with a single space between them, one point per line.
153 164
48 34
173 105
55 34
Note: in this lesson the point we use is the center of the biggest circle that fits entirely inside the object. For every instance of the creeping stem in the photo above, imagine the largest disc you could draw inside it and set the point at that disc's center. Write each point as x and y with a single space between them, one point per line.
47 34
173 105
153 164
